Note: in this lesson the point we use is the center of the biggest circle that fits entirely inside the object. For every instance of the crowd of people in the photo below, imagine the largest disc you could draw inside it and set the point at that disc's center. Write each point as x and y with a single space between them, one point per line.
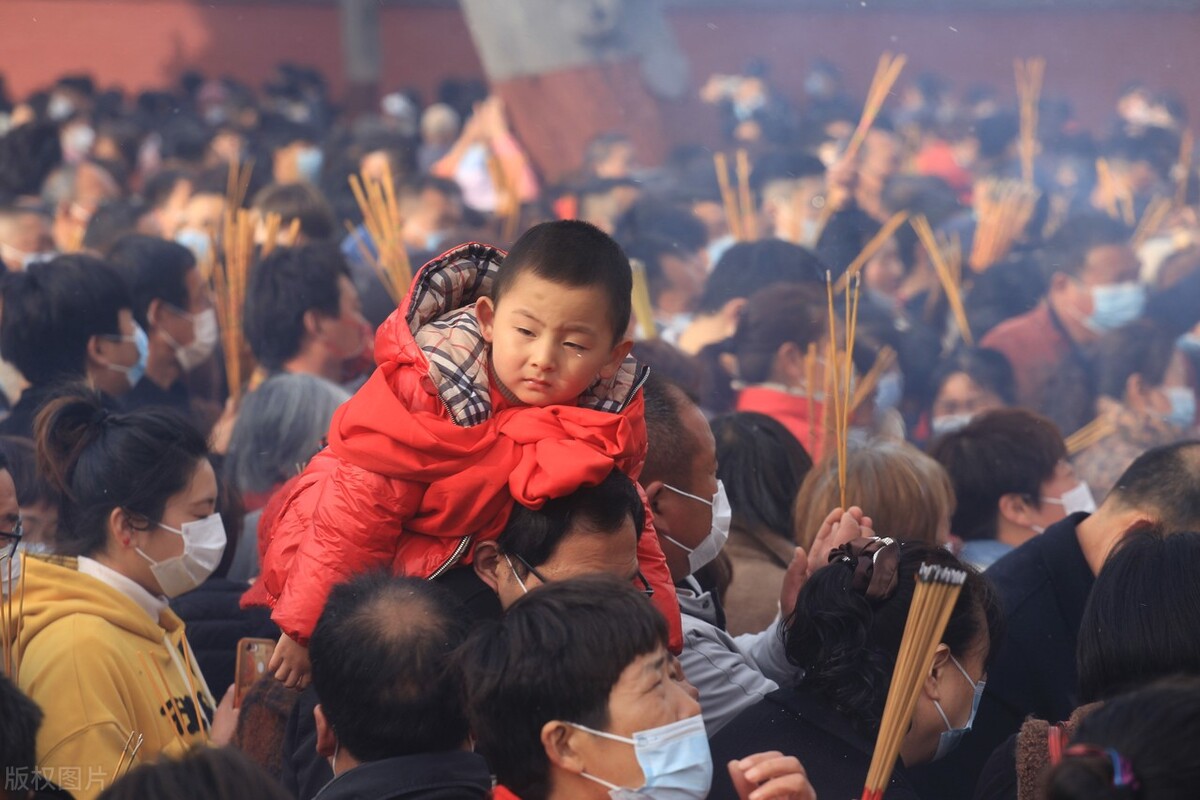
628 494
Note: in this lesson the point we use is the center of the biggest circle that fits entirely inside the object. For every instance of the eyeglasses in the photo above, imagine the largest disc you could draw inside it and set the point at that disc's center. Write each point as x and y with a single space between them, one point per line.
10 539
647 589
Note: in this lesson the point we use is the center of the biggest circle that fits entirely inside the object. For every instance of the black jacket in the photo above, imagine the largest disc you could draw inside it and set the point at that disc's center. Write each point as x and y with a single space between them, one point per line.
457 775
803 724
1043 586
215 622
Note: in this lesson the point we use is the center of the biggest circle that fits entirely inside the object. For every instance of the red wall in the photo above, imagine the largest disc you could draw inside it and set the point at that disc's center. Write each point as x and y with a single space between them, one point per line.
144 43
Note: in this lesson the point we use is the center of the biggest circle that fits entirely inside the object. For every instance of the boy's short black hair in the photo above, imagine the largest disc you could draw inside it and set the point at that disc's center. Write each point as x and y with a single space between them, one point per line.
52 309
577 254
282 287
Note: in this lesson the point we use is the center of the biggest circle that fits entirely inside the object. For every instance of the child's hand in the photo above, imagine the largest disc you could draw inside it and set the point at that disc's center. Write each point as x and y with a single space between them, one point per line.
289 664
225 720
764 776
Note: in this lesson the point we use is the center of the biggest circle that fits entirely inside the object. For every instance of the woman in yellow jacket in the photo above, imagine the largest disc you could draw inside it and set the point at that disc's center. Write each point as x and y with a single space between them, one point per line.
100 650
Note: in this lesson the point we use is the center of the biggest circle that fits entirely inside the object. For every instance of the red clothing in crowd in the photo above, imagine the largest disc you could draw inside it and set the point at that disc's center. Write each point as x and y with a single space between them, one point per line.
791 411
422 462
1036 345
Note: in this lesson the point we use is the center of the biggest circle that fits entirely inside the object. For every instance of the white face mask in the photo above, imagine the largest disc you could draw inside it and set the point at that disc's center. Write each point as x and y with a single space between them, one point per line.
1078 499
675 760
722 515
203 546
949 423
204 339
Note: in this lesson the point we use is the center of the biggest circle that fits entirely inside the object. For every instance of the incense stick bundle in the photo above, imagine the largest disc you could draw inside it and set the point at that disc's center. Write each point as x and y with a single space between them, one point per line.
1094 432
887 71
381 217
885 359
1152 221
733 214
643 308
950 285
1187 144
237 185
749 223
1002 210
872 247
933 602
833 392
508 198
1030 74
841 365
229 280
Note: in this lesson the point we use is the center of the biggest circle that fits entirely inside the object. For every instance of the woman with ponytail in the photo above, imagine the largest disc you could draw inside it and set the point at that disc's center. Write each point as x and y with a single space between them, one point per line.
843 638
100 650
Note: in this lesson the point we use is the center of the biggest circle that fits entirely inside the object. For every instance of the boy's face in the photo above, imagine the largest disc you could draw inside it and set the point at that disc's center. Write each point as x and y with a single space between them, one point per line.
550 342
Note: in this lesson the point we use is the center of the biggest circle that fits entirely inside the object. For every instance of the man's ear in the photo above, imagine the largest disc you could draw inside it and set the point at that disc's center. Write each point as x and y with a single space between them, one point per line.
789 361
312 322
941 661
94 350
1013 508
1135 392
485 312
654 490
616 358
486 561
154 312
558 740
326 738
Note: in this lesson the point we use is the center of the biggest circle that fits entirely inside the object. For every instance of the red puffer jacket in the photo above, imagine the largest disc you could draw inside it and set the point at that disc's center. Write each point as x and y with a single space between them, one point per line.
425 459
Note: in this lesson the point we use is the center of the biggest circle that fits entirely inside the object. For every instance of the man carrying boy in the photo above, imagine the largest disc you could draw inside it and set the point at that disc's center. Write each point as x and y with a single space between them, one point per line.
494 385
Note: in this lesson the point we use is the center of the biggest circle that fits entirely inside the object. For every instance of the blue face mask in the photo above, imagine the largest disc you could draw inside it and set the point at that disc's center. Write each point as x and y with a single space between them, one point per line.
196 241
889 391
134 373
1115 304
952 736
1189 344
1183 406
309 162
675 760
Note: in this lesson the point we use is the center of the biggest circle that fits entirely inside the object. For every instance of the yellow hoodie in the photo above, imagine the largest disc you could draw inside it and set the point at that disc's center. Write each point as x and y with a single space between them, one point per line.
96 663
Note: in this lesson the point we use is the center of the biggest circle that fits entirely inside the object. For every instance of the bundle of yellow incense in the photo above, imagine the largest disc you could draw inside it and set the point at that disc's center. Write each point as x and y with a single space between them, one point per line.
508 198
230 277
933 602
872 247
887 71
1002 210
1152 221
1094 432
749 217
643 308
237 185
885 359
1030 74
733 212
949 284
842 367
381 217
